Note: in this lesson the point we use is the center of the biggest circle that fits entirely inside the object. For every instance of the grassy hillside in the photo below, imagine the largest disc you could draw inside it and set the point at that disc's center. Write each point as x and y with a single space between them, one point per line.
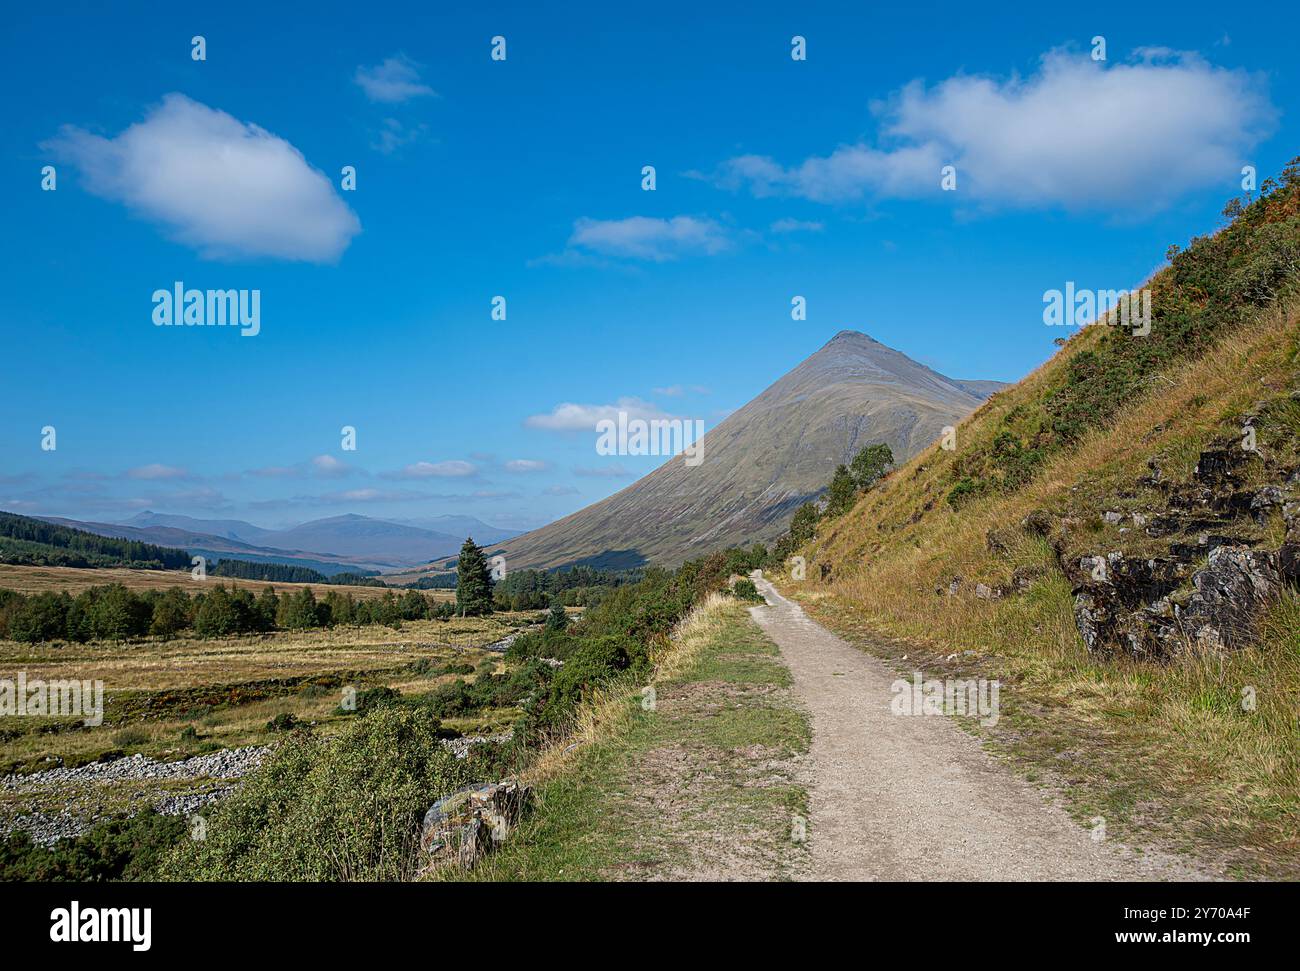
1128 445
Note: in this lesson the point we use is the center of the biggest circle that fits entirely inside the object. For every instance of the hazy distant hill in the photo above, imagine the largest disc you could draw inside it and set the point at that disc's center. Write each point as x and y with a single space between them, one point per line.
227 528
329 545
764 460
462 526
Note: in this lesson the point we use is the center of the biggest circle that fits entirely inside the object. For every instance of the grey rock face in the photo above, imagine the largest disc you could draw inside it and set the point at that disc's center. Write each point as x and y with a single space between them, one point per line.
1232 590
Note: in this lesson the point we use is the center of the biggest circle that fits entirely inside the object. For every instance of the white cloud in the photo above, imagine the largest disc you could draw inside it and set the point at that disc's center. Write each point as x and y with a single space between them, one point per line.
328 465
646 238
525 465
570 417
396 79
393 135
559 490
227 188
436 470
156 471
797 226
1075 134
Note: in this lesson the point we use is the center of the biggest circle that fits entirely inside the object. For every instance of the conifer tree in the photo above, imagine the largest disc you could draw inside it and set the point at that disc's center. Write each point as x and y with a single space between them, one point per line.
473 581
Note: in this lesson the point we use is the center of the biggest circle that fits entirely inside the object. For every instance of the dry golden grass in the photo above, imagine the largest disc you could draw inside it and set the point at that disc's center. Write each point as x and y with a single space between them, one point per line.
229 688
1163 749
608 709
39 579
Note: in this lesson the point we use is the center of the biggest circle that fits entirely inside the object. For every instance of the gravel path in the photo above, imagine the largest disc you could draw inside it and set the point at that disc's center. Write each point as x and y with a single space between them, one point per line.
916 798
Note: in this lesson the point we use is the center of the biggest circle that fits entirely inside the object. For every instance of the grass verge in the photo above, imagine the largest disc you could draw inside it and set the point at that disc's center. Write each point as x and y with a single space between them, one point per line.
701 783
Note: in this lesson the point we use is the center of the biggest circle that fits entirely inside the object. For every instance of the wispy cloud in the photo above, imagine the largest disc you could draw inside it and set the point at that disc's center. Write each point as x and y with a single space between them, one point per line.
797 226
570 417
229 189
452 469
393 135
647 238
1061 137
525 465
394 80
157 471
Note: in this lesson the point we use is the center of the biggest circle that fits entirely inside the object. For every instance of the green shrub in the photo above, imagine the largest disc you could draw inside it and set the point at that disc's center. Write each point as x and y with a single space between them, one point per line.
745 590
347 808
120 849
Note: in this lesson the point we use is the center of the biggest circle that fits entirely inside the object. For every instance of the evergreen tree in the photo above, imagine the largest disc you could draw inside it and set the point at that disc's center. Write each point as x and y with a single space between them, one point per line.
473 581
557 619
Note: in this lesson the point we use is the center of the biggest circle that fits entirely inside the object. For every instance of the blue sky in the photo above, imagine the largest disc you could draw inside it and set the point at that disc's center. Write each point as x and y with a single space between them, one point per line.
522 178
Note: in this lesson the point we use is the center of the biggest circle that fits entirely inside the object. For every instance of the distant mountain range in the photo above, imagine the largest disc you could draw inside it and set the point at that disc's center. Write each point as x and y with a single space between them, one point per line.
763 461
333 545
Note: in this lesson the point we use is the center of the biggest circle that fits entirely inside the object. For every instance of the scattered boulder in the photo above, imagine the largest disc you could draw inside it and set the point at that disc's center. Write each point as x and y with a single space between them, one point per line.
462 827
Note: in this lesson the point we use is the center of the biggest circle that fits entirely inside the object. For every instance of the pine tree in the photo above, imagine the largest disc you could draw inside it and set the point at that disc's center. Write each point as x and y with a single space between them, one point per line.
473 581
557 619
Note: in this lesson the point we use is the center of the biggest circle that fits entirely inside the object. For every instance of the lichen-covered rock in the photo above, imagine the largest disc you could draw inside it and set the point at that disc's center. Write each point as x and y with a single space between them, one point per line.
463 826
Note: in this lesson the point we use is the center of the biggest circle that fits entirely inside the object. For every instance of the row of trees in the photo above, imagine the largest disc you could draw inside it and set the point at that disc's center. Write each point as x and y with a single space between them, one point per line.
286 573
113 612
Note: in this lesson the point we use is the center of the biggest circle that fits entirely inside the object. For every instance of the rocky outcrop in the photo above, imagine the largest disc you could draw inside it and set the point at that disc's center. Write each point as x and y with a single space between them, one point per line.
1230 593
1157 607
460 828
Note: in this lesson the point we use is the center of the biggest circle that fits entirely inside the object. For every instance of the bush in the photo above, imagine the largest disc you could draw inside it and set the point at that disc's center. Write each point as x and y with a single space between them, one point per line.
745 590
121 849
283 722
347 808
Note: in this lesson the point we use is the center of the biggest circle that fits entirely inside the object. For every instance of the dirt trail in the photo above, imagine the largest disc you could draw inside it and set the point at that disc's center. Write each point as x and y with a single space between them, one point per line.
917 798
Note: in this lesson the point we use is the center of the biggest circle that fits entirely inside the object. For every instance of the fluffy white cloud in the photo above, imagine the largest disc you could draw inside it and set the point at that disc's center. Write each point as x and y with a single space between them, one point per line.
646 238
225 187
570 417
1075 134
396 79
525 465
